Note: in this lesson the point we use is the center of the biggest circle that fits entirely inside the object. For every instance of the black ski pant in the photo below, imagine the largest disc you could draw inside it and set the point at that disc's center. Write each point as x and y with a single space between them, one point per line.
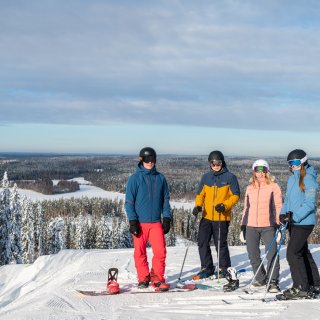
304 271
207 230
253 237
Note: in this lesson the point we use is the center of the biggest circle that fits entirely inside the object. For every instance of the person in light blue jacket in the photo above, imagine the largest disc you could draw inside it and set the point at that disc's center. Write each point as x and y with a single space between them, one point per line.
299 213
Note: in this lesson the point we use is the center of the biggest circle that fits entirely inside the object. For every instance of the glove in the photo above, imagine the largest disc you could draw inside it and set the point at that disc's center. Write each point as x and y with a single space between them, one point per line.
242 236
220 208
286 218
196 210
166 223
134 227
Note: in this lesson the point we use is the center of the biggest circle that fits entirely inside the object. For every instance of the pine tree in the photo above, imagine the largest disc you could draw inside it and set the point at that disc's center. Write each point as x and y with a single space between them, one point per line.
5 223
28 253
103 240
39 230
56 234
80 235
16 239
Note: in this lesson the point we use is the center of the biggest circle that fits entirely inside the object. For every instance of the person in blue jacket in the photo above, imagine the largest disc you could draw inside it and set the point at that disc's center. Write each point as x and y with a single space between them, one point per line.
299 213
147 201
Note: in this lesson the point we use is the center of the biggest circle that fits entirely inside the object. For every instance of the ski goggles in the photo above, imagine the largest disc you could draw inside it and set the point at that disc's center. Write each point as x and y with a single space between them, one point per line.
261 169
148 159
297 162
216 163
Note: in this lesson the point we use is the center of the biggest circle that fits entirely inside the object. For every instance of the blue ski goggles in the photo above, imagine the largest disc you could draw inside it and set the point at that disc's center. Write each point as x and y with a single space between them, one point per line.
294 163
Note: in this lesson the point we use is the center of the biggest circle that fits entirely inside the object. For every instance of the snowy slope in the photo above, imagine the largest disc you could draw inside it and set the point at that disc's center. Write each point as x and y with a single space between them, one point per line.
46 290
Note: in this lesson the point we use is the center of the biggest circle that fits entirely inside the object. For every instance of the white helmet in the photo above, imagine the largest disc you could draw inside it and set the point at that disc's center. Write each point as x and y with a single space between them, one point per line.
260 163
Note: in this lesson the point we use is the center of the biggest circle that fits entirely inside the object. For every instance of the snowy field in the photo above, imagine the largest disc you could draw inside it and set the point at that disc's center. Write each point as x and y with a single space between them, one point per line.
47 288
87 190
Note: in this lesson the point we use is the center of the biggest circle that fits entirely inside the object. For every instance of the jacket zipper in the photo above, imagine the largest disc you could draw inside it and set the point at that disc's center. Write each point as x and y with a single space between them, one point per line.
257 207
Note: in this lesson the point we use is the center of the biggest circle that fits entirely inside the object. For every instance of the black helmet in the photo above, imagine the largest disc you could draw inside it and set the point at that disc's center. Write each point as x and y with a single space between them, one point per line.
147 154
216 155
297 154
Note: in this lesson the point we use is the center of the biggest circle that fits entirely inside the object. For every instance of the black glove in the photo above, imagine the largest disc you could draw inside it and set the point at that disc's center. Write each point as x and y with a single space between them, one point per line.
244 230
286 218
196 210
220 208
166 223
134 227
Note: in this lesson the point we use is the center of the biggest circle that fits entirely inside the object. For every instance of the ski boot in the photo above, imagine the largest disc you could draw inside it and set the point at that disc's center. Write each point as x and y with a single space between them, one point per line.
233 281
202 274
113 285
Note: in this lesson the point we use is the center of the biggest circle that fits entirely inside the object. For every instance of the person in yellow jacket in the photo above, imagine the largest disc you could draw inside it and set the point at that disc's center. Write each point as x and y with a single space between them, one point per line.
218 192
260 219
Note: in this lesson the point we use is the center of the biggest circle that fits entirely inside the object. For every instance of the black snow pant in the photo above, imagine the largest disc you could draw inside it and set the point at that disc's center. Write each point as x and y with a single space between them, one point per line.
207 230
304 271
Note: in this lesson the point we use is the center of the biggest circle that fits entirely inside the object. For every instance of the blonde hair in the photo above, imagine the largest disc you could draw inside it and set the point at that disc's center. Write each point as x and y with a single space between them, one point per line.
269 178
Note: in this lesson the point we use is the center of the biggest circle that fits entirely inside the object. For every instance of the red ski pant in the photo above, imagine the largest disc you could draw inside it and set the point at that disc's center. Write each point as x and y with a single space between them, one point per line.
153 233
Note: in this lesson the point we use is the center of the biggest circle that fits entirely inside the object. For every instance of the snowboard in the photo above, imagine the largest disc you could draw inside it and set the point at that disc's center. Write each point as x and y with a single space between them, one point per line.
134 290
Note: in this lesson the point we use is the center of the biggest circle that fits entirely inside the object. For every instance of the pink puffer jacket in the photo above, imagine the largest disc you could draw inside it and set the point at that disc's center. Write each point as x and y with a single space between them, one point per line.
262 205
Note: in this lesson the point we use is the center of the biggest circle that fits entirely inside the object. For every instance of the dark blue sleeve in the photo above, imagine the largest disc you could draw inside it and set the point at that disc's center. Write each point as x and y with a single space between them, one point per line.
166 198
131 192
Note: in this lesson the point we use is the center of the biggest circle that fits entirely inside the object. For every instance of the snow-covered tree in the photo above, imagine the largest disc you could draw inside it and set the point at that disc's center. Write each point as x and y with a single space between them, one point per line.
28 241
39 230
80 235
103 240
56 234
5 223
16 215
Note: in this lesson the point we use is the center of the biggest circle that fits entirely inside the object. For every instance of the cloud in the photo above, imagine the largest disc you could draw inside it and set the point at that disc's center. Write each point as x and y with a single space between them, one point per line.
230 64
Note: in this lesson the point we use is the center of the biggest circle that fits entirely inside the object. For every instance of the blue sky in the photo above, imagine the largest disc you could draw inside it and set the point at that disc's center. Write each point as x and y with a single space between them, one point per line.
184 77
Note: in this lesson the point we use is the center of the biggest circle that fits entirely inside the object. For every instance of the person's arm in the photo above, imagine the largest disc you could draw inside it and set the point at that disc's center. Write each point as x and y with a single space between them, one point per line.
309 202
166 212
131 190
201 194
234 194
277 201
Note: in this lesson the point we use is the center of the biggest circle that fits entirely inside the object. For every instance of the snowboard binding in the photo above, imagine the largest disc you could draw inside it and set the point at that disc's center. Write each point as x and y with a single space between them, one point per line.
233 281
113 285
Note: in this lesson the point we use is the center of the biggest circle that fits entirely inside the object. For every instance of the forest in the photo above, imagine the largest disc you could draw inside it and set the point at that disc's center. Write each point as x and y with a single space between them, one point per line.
30 229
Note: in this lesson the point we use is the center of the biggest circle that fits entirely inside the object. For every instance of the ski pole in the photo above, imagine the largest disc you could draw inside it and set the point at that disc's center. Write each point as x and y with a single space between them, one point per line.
265 255
185 255
218 265
284 230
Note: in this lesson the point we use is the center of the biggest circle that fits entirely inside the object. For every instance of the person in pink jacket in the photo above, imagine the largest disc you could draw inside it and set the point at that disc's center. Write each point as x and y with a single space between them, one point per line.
260 220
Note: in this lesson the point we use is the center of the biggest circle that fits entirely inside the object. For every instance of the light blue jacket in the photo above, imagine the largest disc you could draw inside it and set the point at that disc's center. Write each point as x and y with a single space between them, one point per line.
147 196
302 204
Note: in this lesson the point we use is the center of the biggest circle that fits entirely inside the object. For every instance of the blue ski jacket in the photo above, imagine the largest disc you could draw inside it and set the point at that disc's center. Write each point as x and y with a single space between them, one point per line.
147 196
302 204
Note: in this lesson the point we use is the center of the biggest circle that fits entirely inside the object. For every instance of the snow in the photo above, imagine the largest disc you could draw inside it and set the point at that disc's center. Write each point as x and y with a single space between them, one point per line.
46 289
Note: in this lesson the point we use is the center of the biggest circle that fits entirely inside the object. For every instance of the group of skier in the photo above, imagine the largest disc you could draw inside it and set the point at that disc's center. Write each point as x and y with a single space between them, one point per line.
264 217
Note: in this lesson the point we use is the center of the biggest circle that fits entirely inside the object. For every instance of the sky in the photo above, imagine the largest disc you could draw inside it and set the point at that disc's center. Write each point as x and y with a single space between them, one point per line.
184 77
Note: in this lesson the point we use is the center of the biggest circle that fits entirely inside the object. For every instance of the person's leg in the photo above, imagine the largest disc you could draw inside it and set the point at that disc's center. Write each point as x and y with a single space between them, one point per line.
253 248
312 268
158 244
204 237
267 235
296 253
224 255
140 253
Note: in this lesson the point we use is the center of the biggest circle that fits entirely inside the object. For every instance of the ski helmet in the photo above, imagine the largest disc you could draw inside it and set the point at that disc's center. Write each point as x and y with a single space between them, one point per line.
297 154
260 166
216 155
147 154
